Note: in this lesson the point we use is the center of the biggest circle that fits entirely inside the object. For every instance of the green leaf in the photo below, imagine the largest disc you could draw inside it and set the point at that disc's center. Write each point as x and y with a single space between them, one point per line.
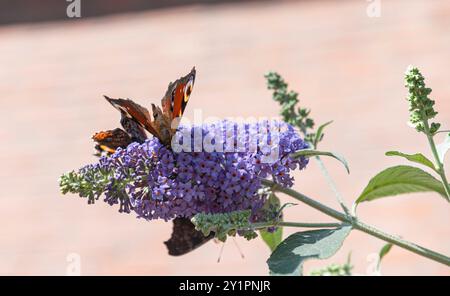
417 158
319 133
272 239
443 148
399 180
288 257
383 252
311 152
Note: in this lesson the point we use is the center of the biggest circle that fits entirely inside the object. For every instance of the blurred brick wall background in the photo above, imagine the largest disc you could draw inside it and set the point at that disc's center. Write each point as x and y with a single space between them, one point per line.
15 11
347 67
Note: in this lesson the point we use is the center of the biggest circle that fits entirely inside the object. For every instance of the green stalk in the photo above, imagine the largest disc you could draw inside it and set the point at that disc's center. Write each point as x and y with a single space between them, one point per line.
440 165
328 178
293 224
427 253
333 186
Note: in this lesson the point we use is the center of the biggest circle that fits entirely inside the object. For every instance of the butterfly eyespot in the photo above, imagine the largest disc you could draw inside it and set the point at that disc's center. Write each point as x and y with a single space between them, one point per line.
187 91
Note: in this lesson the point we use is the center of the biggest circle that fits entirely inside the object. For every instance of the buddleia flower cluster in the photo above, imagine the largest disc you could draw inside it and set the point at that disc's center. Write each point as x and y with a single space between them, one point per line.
421 107
159 182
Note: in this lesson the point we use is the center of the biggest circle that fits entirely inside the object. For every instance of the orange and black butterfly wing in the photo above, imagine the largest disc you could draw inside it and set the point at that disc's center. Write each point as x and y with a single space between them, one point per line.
109 141
177 96
134 111
185 237
133 129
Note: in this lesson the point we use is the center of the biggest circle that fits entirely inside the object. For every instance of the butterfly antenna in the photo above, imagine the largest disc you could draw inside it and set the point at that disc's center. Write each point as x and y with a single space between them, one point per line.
239 248
221 252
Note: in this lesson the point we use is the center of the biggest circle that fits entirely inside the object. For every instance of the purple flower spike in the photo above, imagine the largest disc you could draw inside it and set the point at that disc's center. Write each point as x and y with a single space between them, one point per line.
157 183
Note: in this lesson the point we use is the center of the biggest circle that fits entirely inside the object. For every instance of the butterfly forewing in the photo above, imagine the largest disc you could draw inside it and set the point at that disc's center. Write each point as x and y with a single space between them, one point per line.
177 95
135 112
109 141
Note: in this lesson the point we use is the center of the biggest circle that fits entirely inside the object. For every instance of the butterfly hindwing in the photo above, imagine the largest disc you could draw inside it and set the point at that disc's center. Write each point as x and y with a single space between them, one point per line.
185 237
133 129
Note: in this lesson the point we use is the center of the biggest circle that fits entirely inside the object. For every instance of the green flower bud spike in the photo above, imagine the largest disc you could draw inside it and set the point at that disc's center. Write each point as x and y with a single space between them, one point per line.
290 112
421 109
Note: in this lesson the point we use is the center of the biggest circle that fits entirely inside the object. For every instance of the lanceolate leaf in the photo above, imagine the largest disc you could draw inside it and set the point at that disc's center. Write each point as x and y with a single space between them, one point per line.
443 148
417 158
383 252
288 257
319 133
398 180
311 152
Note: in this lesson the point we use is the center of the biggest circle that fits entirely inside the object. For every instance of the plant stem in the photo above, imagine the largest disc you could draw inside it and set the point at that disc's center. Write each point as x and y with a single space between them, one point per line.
361 225
328 178
333 186
293 224
436 158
